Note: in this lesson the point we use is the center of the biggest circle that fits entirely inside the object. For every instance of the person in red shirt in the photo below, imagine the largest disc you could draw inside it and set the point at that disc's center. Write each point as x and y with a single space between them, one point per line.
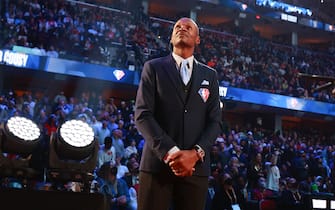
260 192
51 125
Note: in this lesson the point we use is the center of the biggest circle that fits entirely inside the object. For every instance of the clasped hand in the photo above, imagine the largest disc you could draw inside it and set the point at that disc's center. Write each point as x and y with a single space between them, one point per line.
182 162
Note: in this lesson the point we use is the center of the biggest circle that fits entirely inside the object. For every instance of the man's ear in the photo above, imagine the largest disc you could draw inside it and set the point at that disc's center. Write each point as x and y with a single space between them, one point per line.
197 40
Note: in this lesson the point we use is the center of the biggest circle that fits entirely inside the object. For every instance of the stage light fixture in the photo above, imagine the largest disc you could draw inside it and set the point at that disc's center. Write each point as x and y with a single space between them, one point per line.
77 133
73 152
75 140
20 137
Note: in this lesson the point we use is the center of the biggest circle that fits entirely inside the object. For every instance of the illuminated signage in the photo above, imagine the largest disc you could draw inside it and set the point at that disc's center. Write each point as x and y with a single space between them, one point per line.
311 23
283 6
13 58
119 74
223 91
277 101
329 27
289 18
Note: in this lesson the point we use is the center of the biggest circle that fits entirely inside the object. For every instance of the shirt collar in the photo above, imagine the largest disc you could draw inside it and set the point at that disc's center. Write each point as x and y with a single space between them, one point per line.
179 59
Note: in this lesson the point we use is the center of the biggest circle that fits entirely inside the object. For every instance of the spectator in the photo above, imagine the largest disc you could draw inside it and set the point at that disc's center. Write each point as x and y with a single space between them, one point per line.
115 190
112 125
120 126
233 168
95 124
60 97
300 166
51 125
132 180
103 132
272 174
215 158
131 149
52 52
226 197
118 143
211 192
106 153
291 198
260 192
255 170
122 170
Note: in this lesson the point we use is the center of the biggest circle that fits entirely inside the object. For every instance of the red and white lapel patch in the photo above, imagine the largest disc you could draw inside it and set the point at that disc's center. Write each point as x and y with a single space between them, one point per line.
204 93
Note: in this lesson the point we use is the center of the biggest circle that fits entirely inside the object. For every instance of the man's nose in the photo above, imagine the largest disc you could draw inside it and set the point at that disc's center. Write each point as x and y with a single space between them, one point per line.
183 28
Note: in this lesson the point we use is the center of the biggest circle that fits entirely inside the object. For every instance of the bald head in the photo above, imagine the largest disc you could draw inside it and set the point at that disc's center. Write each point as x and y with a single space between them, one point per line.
185 36
186 19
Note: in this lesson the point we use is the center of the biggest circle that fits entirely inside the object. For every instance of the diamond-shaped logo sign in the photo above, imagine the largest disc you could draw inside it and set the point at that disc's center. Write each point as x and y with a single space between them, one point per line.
119 74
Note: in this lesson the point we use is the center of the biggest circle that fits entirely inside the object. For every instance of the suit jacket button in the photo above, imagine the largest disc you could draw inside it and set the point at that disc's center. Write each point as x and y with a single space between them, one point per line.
185 110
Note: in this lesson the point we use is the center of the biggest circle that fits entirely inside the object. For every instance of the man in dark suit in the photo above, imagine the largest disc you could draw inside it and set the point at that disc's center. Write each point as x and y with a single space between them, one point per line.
179 118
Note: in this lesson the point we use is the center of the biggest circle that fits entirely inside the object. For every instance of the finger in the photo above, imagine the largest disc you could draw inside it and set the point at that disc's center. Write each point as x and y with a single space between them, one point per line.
174 155
181 171
180 174
175 169
174 163
170 158
177 172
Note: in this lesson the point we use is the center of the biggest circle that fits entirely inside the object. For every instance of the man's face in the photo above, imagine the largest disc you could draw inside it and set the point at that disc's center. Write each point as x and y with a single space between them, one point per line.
185 34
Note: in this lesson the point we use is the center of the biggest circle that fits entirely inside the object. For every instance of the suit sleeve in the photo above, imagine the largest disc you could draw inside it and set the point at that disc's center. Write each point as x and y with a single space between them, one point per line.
155 137
213 117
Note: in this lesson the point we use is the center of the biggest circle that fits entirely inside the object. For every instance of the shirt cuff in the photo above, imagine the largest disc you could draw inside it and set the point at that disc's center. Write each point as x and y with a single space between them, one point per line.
171 151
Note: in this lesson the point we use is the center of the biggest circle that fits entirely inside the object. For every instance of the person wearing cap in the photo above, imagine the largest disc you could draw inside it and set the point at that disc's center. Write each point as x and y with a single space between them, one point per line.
250 136
316 186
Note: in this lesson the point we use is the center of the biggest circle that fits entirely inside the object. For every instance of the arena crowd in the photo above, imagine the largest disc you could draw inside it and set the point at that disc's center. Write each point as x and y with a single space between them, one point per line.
256 163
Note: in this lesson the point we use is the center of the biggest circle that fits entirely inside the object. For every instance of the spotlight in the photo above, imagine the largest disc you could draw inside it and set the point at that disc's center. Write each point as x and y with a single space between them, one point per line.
19 136
73 152
76 140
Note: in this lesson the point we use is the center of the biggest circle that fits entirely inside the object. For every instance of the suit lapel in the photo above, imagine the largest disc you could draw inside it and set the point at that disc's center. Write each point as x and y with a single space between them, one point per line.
196 78
172 72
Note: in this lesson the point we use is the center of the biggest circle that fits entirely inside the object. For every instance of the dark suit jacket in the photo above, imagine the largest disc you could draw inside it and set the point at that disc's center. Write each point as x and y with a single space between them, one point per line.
166 118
